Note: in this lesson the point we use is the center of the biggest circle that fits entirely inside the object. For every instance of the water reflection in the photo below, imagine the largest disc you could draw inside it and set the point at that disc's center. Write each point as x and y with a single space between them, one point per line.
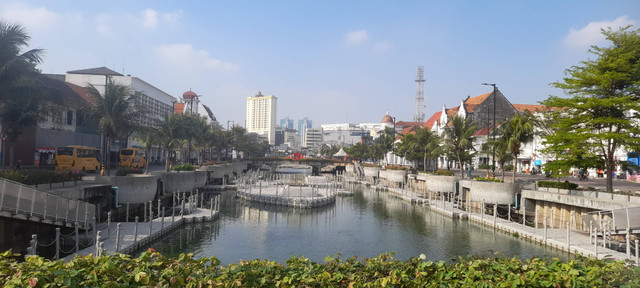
365 225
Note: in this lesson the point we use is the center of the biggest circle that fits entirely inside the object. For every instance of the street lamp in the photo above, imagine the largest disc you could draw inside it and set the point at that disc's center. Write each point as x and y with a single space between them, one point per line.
493 161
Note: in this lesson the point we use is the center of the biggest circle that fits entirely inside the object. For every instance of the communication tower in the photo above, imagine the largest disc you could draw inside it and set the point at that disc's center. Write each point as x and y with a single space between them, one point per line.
418 113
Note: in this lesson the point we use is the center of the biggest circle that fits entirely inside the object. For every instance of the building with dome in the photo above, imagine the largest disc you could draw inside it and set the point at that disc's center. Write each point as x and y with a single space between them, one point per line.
190 104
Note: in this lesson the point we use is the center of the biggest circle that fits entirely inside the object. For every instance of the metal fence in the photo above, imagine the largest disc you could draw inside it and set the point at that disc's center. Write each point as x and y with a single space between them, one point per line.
23 200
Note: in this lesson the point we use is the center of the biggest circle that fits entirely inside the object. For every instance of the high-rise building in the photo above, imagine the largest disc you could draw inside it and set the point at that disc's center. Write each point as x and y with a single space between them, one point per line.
303 125
261 116
286 123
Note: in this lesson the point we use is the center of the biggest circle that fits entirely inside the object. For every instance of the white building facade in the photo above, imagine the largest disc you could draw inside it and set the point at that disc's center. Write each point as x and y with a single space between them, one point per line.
261 116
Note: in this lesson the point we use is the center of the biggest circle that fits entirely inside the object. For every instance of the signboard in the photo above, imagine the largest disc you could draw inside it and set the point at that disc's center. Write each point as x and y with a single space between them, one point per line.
537 162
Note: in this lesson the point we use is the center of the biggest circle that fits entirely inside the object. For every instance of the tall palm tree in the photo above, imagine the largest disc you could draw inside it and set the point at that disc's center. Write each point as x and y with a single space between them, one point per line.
20 97
517 132
459 140
429 144
15 65
148 136
170 134
115 112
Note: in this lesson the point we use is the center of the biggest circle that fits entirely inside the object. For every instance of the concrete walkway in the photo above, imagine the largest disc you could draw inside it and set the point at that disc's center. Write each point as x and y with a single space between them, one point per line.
579 242
128 242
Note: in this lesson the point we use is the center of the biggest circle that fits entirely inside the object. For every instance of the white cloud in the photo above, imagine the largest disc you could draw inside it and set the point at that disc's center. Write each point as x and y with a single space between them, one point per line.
33 18
149 18
103 24
355 37
185 57
591 34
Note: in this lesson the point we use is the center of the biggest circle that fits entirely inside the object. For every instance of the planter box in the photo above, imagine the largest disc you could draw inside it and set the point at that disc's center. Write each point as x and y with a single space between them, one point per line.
371 171
492 192
134 189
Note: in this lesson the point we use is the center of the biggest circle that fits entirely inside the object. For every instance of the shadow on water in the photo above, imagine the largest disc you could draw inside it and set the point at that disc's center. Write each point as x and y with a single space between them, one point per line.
366 225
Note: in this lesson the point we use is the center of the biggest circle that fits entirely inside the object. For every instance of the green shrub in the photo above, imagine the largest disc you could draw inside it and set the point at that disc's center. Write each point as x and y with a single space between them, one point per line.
124 171
444 173
13 175
184 167
507 167
484 166
152 269
487 179
560 185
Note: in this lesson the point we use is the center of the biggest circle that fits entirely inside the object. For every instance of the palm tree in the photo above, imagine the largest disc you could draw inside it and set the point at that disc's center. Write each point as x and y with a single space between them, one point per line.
170 134
114 113
517 132
20 97
14 65
429 144
459 140
148 136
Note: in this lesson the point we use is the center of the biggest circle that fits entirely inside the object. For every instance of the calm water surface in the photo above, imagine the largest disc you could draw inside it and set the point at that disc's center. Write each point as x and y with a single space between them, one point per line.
366 225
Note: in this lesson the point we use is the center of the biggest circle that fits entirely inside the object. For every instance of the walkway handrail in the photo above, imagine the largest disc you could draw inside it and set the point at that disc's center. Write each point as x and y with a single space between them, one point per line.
622 218
21 199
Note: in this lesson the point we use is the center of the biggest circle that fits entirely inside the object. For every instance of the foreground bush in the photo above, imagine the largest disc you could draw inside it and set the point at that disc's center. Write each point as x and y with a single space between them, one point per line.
556 184
151 269
184 167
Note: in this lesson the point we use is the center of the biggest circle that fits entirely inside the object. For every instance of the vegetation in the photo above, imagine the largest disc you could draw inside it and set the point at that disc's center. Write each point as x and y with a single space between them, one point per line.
515 133
184 167
113 112
444 173
599 117
559 185
488 179
422 145
20 91
35 177
124 171
459 140
152 269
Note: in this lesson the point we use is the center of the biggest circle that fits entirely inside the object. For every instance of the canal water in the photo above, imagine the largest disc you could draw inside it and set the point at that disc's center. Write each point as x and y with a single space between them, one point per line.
367 224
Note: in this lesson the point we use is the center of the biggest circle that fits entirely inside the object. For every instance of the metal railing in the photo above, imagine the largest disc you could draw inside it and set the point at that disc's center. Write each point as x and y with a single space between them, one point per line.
20 199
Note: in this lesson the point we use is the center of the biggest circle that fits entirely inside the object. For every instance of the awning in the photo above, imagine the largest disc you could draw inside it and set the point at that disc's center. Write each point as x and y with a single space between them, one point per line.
46 150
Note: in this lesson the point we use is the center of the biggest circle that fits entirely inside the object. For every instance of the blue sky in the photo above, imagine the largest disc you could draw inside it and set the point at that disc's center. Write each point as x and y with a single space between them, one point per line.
331 61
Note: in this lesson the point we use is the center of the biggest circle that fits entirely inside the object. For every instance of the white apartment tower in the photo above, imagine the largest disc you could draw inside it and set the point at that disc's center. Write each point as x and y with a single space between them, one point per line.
261 116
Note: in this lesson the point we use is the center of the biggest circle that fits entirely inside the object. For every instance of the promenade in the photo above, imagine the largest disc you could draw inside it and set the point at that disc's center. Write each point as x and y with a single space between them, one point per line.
572 241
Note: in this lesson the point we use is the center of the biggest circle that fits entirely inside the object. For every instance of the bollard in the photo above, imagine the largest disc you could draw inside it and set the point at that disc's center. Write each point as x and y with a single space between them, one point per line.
569 236
151 224
637 242
495 214
127 214
135 233
211 210
34 244
100 248
182 210
536 219
628 238
162 221
144 219
590 231
98 238
159 205
94 228
509 212
57 256
118 237
595 243
109 224
77 237
260 190
150 210
482 209
545 229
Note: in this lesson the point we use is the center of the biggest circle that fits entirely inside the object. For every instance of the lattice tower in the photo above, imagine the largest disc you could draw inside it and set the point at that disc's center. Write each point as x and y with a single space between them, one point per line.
418 113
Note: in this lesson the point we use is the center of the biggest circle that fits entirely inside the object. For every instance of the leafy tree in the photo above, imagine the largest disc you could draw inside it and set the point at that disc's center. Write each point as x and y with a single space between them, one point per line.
20 94
459 140
516 132
384 143
359 151
601 115
115 112
430 146
408 147
148 136
170 134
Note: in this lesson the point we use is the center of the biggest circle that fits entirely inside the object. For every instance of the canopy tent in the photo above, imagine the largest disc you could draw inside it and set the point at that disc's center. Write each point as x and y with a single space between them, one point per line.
340 153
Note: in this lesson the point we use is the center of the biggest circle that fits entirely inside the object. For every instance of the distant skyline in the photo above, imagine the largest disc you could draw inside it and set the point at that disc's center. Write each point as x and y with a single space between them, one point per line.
330 61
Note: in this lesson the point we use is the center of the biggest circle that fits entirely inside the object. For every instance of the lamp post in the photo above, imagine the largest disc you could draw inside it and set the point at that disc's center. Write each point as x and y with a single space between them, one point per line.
493 160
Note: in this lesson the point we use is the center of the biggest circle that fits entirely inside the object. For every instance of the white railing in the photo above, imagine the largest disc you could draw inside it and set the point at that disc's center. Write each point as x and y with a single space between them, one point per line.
19 199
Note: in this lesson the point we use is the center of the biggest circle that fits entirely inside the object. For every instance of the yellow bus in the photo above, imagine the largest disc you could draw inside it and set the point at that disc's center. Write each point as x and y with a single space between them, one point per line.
132 157
79 158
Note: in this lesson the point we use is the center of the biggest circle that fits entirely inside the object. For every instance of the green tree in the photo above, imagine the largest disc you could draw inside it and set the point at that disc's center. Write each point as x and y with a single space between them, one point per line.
148 136
20 94
384 143
601 115
114 112
516 132
430 146
459 140
170 134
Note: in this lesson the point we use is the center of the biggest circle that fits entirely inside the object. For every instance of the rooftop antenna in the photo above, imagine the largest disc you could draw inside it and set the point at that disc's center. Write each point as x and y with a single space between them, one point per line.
418 112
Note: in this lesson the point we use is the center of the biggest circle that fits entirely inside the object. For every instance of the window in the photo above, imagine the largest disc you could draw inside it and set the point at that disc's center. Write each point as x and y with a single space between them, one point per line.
69 117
